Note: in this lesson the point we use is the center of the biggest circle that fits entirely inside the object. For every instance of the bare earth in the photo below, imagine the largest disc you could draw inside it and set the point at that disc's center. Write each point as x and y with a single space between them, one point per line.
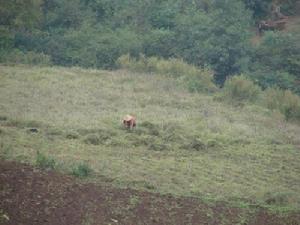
30 196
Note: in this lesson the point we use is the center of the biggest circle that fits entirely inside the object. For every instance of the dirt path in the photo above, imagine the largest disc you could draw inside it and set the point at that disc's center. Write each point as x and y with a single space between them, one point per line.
29 196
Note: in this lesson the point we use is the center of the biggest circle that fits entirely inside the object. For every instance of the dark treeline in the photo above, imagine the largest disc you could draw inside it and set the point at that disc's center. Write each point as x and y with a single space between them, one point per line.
95 33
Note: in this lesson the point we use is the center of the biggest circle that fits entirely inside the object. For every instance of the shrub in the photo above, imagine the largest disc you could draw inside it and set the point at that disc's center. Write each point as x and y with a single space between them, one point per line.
32 58
239 88
200 81
196 79
284 101
45 162
132 64
82 170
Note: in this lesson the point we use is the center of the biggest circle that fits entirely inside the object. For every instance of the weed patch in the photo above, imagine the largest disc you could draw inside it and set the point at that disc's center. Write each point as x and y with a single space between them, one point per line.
82 170
45 162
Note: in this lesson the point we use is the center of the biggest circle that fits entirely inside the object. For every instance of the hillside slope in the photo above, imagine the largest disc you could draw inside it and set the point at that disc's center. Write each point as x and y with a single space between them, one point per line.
185 143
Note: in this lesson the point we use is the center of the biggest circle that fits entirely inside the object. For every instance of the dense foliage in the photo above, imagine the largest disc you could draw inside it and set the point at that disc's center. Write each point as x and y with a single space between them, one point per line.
95 33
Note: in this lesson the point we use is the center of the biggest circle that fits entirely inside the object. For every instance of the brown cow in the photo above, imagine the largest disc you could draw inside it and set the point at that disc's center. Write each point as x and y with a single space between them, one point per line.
129 121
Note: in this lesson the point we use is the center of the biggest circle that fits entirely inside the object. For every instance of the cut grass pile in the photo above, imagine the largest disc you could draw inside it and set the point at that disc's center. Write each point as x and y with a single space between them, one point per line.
185 143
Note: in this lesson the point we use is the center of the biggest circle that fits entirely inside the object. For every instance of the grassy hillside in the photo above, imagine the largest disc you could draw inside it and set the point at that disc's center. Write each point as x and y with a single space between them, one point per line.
185 143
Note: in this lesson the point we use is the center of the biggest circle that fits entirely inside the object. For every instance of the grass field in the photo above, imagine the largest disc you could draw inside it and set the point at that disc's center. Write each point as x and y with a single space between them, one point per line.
185 143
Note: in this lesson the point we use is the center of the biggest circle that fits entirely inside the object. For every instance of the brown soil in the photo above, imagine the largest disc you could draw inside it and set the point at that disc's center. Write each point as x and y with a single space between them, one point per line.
29 196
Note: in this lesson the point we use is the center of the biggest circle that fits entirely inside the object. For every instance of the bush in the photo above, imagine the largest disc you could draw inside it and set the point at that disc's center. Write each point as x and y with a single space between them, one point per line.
45 162
18 57
129 63
82 170
239 88
196 79
201 81
284 101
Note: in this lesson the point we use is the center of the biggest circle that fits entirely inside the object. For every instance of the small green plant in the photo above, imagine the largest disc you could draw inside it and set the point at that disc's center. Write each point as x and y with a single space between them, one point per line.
82 170
240 89
45 162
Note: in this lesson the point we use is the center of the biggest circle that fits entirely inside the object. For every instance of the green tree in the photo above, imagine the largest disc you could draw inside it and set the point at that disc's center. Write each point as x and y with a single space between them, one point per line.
276 61
219 37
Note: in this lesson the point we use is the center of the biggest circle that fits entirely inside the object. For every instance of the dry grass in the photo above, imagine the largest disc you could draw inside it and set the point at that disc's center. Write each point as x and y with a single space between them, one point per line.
185 143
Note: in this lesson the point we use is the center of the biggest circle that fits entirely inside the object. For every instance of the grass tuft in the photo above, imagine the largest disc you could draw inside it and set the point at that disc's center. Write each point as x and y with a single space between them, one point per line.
82 170
45 162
